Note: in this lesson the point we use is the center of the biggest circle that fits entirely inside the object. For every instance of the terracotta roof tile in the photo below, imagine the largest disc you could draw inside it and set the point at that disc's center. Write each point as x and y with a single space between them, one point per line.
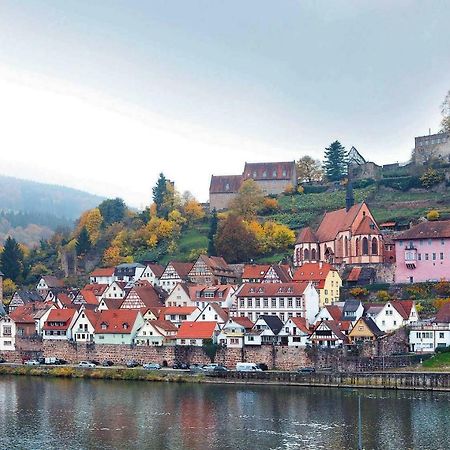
367 226
427 230
103 272
335 221
255 271
225 184
272 289
116 321
306 235
312 271
196 330
269 170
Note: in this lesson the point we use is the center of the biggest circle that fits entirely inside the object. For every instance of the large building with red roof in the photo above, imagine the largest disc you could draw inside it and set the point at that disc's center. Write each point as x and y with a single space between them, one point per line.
348 235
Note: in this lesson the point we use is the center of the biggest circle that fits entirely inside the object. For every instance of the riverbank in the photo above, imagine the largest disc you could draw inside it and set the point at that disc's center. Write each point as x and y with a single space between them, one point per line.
424 381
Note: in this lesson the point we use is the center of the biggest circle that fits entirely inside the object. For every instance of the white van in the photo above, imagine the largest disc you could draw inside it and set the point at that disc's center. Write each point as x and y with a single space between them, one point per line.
247 367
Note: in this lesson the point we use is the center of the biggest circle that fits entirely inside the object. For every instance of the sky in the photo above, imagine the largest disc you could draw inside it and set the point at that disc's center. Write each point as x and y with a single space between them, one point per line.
104 95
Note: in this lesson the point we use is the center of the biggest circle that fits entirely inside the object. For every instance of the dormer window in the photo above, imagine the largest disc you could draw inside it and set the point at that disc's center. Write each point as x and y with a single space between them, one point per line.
264 174
125 326
104 326
254 174
274 173
284 173
227 187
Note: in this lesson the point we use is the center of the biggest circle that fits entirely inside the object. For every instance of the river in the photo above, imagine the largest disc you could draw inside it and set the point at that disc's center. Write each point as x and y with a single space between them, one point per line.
38 413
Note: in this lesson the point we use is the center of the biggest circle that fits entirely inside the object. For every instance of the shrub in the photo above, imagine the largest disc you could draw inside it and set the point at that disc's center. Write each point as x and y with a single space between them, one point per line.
270 206
442 349
433 215
431 177
314 189
359 292
289 189
402 183
300 190
440 302
383 296
361 184
442 288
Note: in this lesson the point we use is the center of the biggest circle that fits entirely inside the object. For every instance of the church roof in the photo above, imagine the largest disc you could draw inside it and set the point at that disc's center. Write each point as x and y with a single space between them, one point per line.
335 221
367 226
306 235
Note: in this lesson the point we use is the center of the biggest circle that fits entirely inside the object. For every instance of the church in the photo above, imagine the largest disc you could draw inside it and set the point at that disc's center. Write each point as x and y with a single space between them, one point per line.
349 235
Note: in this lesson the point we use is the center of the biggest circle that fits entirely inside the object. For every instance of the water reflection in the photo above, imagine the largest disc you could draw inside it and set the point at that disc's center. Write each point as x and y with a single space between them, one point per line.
46 414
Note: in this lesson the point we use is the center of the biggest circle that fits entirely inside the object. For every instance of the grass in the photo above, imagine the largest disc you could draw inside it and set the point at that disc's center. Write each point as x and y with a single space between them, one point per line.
439 361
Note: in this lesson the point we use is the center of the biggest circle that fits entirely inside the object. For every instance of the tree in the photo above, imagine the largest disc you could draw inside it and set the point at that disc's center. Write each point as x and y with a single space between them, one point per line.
335 162
433 215
11 260
93 224
193 211
171 200
249 200
213 223
159 191
445 110
431 177
83 244
234 241
309 169
9 287
112 210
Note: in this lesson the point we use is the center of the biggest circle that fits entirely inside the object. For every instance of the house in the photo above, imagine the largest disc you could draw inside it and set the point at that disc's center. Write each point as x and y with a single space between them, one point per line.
97 289
179 314
278 273
102 276
48 282
174 273
284 300
426 337
195 333
273 178
223 295
117 289
128 272
83 328
87 297
22 297
233 332
61 300
156 333
268 328
211 270
295 332
365 329
110 303
389 249
349 235
58 325
152 273
143 295
118 326
254 273
352 310
431 146
213 313
422 253
394 314
331 312
359 276
325 278
328 334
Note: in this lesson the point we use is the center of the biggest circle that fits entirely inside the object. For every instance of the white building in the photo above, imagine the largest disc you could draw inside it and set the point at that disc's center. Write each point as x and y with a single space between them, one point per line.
295 331
102 276
425 338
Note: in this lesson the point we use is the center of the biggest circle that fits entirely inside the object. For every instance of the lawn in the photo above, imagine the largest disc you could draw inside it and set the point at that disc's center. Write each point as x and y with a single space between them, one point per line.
440 361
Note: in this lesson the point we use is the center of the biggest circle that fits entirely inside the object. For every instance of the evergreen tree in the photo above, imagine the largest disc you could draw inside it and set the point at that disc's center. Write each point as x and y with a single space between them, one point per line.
335 162
12 260
83 242
159 192
213 223
112 210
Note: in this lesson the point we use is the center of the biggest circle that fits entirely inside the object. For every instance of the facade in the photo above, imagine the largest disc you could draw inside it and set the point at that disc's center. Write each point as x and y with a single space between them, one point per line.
394 315
233 332
349 235
283 300
156 333
328 334
295 332
102 276
83 328
211 270
195 333
325 278
152 273
119 326
117 289
128 272
46 283
266 329
177 315
213 313
22 297
433 146
7 333
425 338
423 253
174 273
143 296
58 325
365 329
273 178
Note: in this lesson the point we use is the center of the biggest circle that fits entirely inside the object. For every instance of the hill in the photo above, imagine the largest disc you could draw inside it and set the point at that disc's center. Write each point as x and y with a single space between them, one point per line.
19 195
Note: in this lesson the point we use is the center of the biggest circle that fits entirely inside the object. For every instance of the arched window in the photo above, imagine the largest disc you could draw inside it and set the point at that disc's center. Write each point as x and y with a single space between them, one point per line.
345 246
357 246
313 254
374 246
365 246
306 254
298 254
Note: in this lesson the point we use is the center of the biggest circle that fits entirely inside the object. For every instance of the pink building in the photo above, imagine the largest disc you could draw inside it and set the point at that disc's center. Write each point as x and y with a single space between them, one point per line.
423 253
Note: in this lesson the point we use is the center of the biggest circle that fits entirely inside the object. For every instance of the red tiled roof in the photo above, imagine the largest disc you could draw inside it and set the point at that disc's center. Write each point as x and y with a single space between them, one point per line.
335 312
443 315
22 314
103 272
157 269
113 303
196 330
193 289
115 319
244 322
269 170
427 230
354 274
182 268
89 297
225 184
367 226
165 325
184 310
272 289
217 265
52 281
306 235
388 224
64 316
300 323
147 295
255 271
335 221
283 272
97 289
312 272
64 299
403 307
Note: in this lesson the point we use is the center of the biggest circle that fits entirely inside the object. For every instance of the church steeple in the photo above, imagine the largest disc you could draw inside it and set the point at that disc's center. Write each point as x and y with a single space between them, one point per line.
349 198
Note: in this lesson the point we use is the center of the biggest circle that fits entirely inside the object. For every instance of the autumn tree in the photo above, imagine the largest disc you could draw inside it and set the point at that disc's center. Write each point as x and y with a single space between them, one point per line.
9 287
234 241
213 224
83 244
249 200
112 256
309 169
193 211
11 260
335 162
112 210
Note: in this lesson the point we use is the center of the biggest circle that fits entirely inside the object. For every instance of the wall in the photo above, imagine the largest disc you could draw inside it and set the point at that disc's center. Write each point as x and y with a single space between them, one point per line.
221 201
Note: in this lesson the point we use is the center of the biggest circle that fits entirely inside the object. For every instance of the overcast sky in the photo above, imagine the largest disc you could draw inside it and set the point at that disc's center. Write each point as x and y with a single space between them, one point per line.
104 95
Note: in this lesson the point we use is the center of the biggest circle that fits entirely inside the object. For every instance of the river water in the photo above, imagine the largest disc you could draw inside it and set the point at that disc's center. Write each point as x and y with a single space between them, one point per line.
38 413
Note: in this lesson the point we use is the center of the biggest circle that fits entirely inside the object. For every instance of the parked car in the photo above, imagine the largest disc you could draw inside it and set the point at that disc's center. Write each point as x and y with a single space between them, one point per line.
132 363
196 368
180 365
209 367
87 364
152 366
60 361
220 369
32 362
107 363
2 360
262 366
306 370
247 367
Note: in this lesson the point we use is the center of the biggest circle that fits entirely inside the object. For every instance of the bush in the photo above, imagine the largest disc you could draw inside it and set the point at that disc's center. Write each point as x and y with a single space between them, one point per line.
358 292
361 184
270 206
402 183
383 296
314 189
433 215
442 349
431 177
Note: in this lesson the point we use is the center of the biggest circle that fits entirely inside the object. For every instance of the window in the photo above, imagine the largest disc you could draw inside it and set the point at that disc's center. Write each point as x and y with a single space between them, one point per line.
419 256
365 246
281 302
290 303
298 303
426 256
258 303
441 335
249 303
374 246
242 303
434 256
274 303
441 256
266 303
